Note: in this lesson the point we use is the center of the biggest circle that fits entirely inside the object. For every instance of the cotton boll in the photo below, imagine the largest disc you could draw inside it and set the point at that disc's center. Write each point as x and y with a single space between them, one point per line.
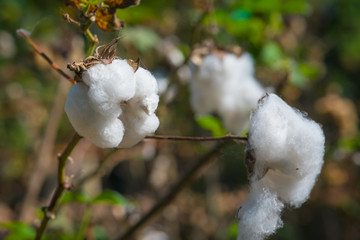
137 126
226 85
109 85
88 123
259 215
288 144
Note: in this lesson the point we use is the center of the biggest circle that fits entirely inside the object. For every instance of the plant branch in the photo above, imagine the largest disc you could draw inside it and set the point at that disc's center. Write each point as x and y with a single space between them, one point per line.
49 212
201 139
173 192
103 161
22 33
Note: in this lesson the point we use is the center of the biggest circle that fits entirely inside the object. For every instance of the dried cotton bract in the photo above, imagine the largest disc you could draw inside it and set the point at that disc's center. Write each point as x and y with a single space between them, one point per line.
224 83
286 150
114 105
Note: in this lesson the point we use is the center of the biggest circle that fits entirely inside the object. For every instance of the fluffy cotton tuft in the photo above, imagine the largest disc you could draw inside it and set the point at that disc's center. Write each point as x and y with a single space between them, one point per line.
99 130
139 117
259 215
113 106
288 150
109 85
226 85
290 145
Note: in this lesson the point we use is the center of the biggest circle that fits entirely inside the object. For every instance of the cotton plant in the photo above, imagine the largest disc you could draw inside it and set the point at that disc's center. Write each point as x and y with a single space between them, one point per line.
223 82
284 156
114 101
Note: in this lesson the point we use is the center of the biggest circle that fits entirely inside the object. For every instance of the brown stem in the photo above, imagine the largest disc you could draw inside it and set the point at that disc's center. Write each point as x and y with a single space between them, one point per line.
22 33
49 212
98 169
173 192
202 139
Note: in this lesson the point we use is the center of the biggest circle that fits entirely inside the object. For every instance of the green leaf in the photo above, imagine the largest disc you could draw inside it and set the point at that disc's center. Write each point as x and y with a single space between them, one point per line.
240 14
308 70
212 124
79 197
232 231
111 197
296 6
100 233
19 230
271 53
94 2
144 39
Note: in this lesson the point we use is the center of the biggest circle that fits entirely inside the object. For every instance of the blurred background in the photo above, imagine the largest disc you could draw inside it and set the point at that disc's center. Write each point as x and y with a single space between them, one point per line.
314 45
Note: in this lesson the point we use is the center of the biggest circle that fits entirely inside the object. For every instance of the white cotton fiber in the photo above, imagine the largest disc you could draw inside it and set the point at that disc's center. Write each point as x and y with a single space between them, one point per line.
259 215
226 85
288 143
113 106
88 123
288 151
290 189
237 102
146 94
137 127
206 85
109 85
138 114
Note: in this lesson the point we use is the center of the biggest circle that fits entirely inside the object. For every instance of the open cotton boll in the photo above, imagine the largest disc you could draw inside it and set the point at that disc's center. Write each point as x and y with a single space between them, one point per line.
101 131
225 84
259 215
289 145
287 151
109 85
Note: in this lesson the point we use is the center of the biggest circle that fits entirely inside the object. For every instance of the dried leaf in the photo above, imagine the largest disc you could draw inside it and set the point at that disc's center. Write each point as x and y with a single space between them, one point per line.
107 20
122 3
134 64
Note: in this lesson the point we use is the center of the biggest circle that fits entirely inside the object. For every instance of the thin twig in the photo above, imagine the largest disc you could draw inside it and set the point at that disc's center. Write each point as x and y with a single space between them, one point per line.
103 161
200 139
22 33
173 192
49 212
